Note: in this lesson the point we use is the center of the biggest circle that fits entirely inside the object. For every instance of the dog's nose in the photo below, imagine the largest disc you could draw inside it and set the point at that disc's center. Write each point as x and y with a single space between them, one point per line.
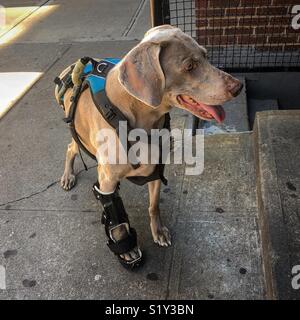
235 90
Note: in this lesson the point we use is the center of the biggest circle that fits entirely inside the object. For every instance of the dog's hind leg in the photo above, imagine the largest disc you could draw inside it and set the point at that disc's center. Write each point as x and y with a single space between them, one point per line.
68 180
160 233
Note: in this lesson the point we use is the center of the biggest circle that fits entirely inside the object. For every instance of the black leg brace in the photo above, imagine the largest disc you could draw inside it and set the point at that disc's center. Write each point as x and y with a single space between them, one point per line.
114 215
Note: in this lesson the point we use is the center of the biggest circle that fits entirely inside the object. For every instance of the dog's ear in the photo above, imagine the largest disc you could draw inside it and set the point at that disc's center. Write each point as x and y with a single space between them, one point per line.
141 74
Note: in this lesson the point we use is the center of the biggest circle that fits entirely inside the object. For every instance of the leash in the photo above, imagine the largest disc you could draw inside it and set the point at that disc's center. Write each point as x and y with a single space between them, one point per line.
84 164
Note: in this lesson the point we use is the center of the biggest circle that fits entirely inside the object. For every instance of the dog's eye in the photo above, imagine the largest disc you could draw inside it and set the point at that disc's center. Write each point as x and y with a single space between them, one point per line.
189 66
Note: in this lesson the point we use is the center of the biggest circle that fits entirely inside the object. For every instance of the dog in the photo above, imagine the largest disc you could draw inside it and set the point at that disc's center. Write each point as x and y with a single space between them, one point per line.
167 69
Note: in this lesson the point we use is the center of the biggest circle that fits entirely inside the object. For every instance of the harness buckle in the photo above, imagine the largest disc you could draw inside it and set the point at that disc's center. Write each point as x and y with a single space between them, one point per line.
67 120
57 81
109 114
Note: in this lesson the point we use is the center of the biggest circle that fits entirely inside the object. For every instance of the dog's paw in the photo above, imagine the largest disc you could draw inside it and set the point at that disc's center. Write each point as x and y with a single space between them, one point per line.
162 237
131 255
68 181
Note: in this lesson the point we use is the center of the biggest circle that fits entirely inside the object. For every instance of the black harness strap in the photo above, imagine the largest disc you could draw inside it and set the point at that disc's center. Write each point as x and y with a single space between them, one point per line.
70 119
112 115
158 172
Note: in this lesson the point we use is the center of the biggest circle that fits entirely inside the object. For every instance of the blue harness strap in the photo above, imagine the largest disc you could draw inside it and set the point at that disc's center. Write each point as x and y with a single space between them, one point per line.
95 73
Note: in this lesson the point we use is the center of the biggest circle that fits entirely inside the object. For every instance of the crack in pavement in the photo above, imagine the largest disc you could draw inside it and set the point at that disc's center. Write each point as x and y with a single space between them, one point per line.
41 191
134 18
31 195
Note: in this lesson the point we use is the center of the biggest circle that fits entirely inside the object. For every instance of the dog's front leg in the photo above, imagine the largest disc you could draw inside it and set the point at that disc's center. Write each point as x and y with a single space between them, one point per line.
122 237
68 180
160 233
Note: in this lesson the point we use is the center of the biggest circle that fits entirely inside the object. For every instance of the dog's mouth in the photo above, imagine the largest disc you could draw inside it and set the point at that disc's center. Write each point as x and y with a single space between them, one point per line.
202 110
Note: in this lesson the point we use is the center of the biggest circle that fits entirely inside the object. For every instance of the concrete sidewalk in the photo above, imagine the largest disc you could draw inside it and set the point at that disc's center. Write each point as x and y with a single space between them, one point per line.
52 243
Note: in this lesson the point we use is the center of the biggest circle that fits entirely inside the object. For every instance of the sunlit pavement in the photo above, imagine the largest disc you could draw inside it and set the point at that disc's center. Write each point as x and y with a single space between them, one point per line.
13 85
15 20
52 244
11 15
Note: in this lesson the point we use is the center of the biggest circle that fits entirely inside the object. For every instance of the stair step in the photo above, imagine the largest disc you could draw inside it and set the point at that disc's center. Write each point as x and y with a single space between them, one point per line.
277 150
257 105
217 248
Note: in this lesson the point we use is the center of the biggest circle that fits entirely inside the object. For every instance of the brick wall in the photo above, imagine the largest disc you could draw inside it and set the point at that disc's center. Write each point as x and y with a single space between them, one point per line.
263 24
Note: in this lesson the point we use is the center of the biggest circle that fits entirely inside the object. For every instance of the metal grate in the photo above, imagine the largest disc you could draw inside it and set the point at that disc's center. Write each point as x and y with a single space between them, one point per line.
239 34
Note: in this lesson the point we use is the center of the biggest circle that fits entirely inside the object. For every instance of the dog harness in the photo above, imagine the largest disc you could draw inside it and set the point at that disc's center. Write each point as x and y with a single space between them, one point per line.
93 76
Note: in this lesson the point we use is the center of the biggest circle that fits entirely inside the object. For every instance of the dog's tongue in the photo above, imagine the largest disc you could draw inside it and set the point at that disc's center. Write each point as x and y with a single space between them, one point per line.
216 111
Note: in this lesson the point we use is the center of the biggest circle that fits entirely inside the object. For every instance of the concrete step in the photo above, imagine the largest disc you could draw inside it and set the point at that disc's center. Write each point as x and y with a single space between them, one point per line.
257 105
216 253
236 116
277 150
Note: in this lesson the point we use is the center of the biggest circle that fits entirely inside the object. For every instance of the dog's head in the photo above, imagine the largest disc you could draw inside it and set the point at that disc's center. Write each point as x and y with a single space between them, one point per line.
170 67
